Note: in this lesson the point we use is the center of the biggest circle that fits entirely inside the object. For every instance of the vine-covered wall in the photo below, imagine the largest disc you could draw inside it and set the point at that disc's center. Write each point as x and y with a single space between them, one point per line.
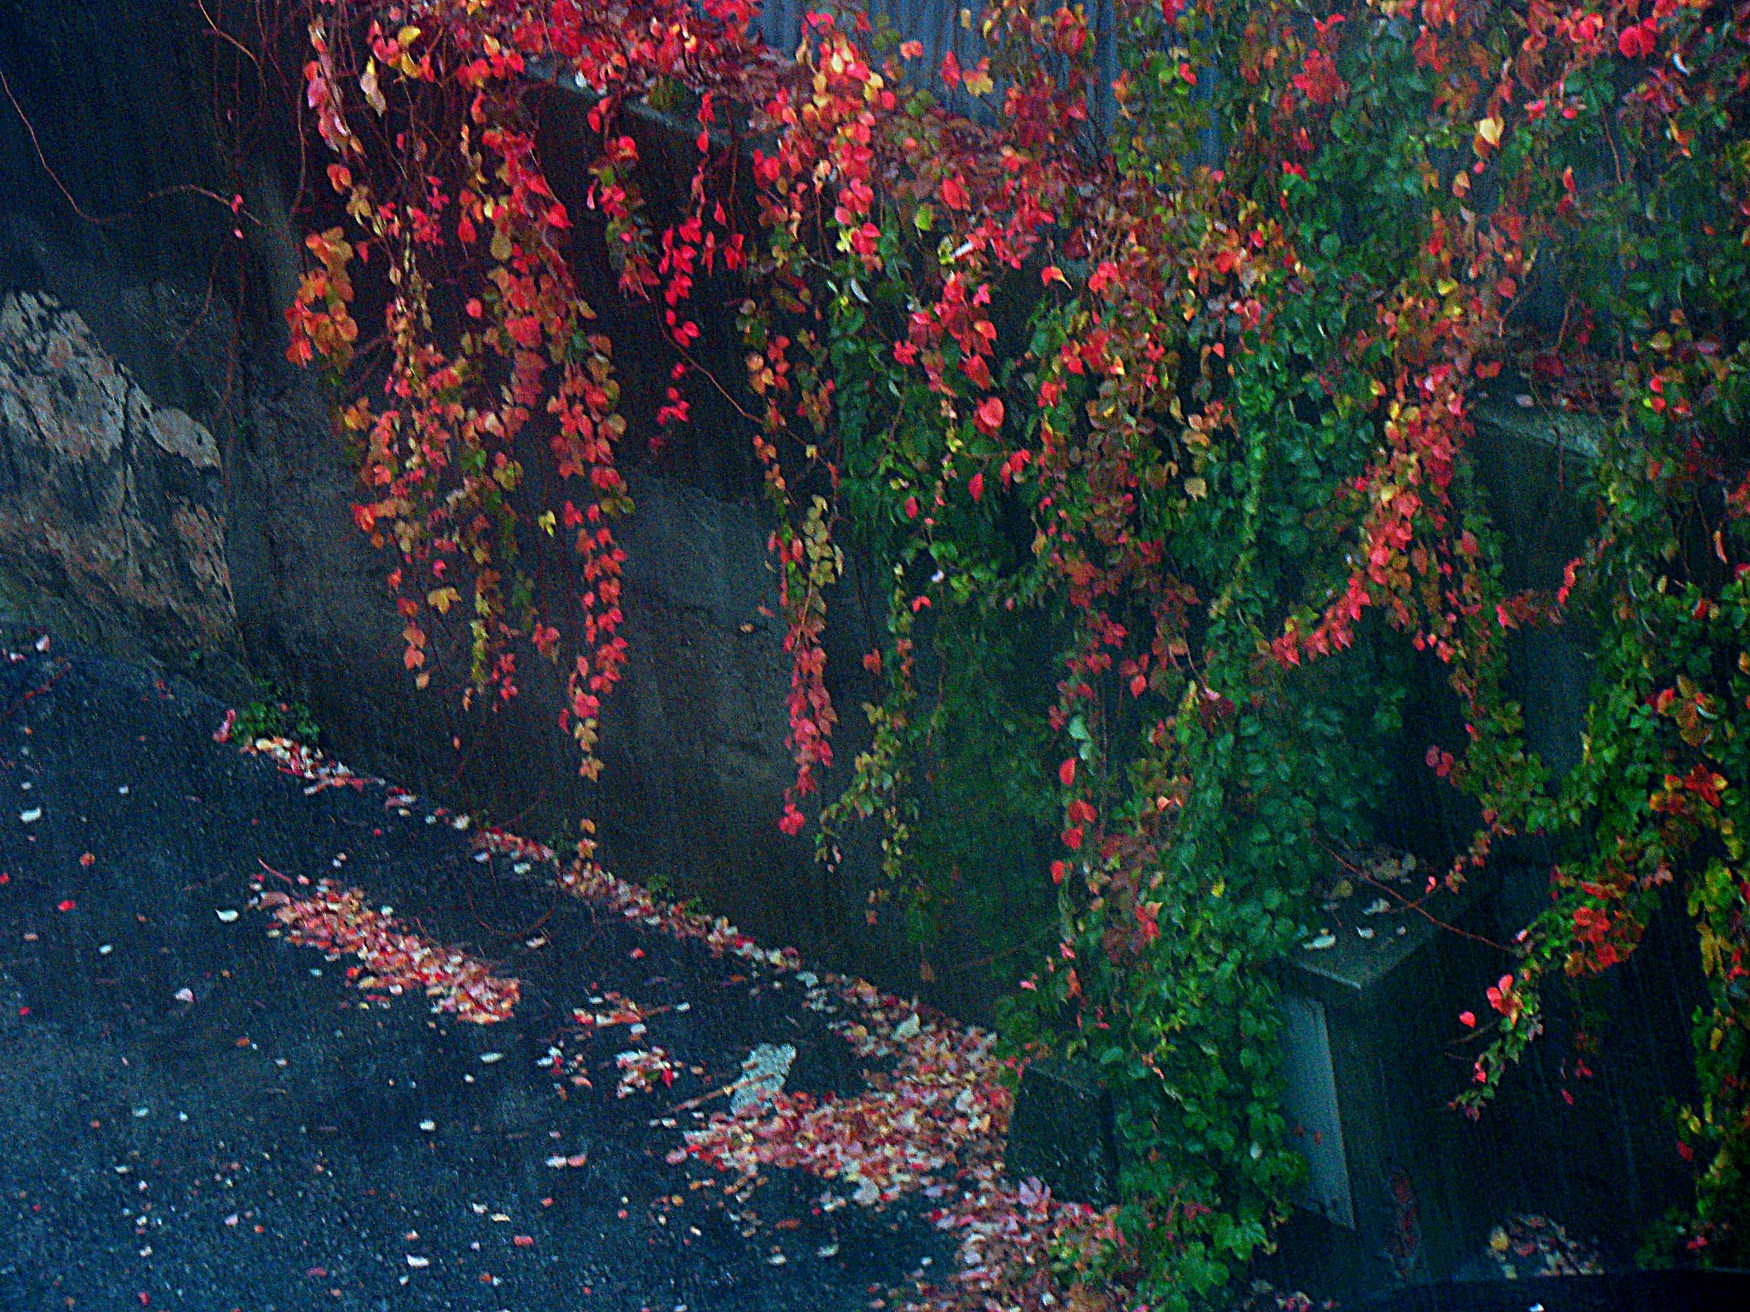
1157 589
170 308
1169 472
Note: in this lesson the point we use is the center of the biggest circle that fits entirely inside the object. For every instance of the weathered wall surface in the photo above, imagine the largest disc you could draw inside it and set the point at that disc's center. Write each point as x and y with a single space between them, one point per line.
107 500
172 489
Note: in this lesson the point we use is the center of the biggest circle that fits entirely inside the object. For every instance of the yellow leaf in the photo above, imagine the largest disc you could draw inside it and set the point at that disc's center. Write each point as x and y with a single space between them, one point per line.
1197 488
443 598
1489 129
546 520
368 85
406 36
1710 950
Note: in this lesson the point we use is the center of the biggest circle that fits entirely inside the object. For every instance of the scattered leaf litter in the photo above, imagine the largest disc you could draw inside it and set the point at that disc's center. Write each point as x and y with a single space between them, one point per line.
896 1137
306 762
568 1059
497 842
593 884
617 1010
936 1123
641 1070
1531 1245
337 922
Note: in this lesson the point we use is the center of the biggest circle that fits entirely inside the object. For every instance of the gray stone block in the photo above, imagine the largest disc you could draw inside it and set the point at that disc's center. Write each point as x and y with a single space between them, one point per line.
1063 1132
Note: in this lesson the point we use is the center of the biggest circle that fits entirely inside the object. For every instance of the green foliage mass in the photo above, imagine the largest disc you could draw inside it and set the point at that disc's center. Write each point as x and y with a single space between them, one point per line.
1233 782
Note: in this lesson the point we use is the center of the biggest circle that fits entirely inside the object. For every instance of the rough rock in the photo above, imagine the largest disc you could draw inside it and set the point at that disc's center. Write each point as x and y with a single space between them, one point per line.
109 502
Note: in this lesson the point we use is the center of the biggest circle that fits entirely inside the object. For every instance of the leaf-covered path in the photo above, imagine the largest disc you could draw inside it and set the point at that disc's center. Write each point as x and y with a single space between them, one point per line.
200 1112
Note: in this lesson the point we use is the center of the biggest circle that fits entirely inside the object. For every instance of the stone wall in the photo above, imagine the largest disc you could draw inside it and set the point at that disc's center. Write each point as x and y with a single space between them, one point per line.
109 504
174 491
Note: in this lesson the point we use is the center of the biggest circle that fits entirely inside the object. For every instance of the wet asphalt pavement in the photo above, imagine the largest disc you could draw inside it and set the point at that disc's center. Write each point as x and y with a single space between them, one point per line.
261 1146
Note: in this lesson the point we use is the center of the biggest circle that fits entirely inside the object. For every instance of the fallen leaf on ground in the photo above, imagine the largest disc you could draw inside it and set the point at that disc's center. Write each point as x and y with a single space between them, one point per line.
338 921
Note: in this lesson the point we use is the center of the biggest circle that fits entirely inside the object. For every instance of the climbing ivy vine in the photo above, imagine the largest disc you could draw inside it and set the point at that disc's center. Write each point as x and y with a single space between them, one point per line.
1161 465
